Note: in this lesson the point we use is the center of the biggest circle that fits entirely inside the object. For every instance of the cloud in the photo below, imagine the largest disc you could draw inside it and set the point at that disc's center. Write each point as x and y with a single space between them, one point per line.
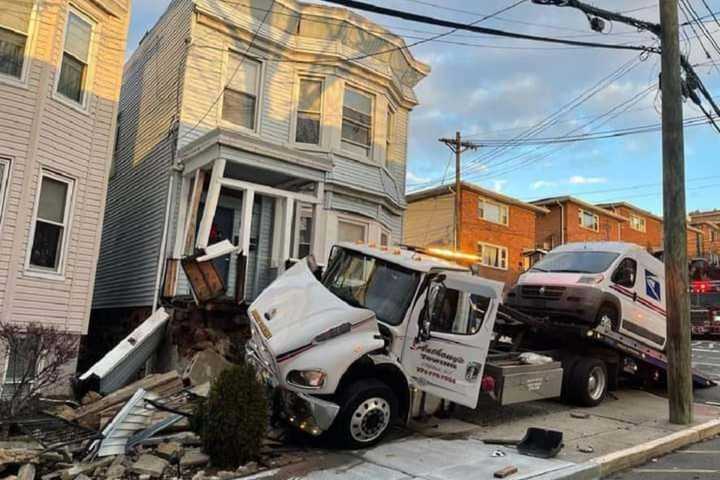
537 185
498 185
580 180
415 179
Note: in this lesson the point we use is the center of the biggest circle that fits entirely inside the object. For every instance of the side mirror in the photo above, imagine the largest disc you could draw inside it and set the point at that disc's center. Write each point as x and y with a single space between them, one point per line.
433 305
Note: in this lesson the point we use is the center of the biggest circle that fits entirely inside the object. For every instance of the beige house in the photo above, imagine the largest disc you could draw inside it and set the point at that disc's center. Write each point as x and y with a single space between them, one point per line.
60 69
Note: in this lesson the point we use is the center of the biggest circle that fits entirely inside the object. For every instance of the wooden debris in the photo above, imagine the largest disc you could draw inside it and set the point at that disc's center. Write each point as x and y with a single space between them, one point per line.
505 472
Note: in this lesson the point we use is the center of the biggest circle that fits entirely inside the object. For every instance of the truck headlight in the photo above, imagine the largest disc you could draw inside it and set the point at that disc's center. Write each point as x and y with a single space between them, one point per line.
717 317
591 279
307 378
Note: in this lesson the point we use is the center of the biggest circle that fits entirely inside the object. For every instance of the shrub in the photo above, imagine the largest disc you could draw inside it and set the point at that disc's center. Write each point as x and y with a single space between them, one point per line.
233 419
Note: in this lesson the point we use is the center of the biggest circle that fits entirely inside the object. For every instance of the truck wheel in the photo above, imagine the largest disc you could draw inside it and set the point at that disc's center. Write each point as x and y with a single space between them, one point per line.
367 409
588 382
608 314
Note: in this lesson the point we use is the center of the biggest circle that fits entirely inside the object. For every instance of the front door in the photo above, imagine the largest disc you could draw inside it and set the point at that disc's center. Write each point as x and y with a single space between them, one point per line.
222 229
445 350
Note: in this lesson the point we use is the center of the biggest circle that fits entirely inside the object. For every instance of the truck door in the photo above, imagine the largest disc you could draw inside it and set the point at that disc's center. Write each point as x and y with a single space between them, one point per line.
449 336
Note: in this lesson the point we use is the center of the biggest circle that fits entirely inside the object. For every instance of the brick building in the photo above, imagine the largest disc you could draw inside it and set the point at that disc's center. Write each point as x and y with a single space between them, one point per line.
573 220
641 227
497 228
709 223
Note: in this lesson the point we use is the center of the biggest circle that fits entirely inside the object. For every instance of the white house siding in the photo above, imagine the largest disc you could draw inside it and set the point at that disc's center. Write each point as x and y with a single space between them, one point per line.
137 192
38 131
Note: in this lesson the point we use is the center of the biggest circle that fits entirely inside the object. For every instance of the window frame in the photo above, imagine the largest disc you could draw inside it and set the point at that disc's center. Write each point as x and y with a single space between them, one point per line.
4 186
481 211
260 82
616 270
89 66
22 81
351 221
635 218
500 248
390 119
596 217
370 126
43 272
297 111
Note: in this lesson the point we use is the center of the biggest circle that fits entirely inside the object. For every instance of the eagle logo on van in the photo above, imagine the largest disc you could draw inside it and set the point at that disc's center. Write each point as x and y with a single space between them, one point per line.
652 286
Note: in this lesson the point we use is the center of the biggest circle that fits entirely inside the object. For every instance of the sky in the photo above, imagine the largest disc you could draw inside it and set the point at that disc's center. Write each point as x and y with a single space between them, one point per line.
491 88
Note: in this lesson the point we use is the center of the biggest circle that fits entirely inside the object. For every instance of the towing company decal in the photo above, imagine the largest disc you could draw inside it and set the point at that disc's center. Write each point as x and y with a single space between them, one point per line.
437 364
261 324
652 286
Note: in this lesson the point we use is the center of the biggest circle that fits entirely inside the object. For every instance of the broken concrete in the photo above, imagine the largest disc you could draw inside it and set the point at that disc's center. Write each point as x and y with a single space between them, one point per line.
205 367
27 472
148 464
194 458
74 471
169 450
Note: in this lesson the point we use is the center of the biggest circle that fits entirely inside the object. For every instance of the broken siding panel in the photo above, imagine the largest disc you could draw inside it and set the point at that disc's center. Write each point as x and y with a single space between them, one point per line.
137 192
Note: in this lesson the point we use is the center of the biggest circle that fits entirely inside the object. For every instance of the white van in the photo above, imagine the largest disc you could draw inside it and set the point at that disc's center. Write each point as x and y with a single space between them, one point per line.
587 284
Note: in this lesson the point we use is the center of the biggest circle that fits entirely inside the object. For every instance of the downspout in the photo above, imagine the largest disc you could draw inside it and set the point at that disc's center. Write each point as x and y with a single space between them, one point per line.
562 222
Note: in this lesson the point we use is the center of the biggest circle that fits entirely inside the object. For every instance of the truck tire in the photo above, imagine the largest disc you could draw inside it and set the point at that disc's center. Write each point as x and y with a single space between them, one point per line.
588 382
368 408
608 313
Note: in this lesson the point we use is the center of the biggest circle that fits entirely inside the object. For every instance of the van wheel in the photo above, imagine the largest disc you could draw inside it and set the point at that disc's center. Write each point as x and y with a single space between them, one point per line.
588 382
367 410
608 314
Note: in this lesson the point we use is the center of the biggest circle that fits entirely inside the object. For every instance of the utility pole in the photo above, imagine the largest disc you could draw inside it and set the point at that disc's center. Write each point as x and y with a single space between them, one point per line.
458 147
675 223
677 301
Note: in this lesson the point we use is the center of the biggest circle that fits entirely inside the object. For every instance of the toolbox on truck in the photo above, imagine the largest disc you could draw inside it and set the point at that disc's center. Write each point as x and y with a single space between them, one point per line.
517 382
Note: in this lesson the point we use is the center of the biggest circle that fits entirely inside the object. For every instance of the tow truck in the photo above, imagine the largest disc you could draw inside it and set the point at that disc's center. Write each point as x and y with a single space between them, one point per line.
386 335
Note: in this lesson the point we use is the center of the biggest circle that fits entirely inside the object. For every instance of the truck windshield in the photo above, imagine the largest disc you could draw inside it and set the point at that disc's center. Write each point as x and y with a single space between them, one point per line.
368 282
575 262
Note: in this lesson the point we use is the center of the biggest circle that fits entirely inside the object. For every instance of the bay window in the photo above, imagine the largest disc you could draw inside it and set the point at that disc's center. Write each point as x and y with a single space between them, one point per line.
351 232
240 98
50 223
307 125
75 58
14 32
357 122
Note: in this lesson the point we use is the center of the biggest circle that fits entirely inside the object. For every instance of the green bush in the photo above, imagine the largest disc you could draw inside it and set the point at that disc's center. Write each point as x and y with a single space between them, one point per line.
233 419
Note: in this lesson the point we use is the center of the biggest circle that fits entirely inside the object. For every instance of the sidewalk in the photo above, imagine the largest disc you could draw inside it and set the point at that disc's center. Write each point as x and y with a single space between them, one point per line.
452 449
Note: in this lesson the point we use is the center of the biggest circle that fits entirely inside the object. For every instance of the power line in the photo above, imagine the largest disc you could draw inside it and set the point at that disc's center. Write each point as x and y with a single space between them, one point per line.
414 17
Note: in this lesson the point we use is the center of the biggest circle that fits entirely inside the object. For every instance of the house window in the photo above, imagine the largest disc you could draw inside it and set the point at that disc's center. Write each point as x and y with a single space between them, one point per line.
75 59
384 239
307 127
20 365
637 223
351 232
357 122
305 237
714 236
493 212
50 223
4 180
14 28
589 220
493 256
241 93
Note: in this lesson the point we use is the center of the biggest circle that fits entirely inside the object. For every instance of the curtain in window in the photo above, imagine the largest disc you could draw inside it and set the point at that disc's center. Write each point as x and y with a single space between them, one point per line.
12 52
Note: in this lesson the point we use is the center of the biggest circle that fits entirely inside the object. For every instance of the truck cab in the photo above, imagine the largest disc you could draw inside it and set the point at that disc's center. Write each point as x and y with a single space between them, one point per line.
349 353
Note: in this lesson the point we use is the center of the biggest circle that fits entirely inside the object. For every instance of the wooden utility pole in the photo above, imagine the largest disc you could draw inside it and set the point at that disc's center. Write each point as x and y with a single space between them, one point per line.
458 146
675 222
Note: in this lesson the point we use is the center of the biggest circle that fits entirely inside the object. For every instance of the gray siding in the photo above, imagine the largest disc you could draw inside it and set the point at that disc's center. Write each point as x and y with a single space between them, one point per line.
138 190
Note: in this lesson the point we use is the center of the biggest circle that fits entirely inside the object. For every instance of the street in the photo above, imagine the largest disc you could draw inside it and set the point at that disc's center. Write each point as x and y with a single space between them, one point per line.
695 462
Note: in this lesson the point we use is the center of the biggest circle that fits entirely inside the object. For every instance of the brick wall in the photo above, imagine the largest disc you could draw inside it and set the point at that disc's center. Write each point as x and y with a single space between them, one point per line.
651 238
548 230
550 226
517 236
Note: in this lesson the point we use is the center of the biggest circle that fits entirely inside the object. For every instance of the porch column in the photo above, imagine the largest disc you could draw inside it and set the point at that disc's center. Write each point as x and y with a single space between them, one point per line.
288 211
211 201
246 220
318 225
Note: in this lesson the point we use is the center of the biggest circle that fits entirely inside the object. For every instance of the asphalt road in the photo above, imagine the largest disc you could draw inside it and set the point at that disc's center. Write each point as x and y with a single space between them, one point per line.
696 462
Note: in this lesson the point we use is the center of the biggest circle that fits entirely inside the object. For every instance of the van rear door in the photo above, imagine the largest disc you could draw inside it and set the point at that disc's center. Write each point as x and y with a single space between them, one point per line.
448 358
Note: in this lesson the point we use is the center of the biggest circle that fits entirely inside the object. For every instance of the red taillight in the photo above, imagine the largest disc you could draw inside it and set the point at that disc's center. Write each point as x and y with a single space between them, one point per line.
488 384
700 286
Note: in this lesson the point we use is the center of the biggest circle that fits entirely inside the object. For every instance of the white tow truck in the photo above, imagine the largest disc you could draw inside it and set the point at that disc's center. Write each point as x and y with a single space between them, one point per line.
386 335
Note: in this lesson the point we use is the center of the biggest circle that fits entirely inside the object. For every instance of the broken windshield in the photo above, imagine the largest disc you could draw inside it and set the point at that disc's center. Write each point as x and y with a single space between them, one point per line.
372 283
575 262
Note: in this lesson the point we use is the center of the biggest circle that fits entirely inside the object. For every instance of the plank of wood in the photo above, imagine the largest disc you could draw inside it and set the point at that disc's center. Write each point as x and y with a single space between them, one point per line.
505 472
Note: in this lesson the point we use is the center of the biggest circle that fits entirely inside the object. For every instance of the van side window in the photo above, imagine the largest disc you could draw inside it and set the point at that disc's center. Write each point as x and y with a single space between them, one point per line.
626 273
459 313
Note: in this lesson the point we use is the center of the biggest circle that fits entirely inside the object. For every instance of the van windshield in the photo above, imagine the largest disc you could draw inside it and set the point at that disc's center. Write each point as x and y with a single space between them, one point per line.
575 262
372 283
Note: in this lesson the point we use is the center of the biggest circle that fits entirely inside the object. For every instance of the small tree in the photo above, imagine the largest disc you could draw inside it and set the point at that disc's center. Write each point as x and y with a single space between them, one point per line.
233 419
37 359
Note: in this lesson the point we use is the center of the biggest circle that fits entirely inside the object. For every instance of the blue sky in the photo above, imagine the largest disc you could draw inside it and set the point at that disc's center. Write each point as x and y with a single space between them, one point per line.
496 88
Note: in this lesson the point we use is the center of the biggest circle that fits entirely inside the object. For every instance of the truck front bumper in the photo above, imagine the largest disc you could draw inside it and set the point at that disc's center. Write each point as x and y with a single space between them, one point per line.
306 412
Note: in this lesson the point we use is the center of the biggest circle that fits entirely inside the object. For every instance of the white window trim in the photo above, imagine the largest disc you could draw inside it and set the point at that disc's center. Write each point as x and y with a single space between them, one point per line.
35 271
373 110
581 213
296 112
258 100
27 54
365 225
385 231
390 132
82 107
498 204
642 229
4 187
500 248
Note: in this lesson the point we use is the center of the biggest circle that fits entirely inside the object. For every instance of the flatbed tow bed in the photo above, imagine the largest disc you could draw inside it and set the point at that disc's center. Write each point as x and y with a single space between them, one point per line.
632 353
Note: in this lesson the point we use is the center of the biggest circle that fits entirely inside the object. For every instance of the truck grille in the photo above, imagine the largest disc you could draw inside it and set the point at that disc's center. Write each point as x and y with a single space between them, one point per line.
542 291
699 316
